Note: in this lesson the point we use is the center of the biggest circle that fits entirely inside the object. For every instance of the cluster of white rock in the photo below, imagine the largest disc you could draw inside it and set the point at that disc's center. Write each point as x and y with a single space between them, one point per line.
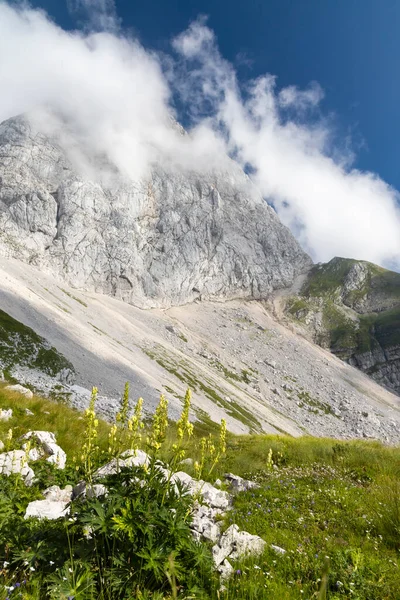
38 445
211 502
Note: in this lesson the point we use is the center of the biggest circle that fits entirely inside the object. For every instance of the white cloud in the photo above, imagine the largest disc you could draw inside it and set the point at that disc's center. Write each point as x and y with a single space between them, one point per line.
102 94
100 15
106 97
334 210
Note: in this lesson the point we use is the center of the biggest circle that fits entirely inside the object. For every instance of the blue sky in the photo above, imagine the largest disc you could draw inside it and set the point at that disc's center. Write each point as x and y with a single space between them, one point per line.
350 47
303 94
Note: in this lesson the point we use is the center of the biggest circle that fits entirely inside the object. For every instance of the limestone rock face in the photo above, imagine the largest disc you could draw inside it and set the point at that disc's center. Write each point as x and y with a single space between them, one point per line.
163 241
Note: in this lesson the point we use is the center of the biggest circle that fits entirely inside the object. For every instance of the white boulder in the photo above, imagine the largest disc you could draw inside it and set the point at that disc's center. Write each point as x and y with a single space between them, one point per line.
6 415
16 461
47 509
225 570
20 389
278 549
237 544
47 446
129 458
238 484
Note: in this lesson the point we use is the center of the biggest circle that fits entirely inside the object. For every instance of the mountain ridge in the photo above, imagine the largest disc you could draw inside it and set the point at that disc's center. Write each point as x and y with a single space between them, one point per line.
353 308
171 239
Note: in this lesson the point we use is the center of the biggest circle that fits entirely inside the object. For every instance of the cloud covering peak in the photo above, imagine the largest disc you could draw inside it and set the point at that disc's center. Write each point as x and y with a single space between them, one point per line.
104 95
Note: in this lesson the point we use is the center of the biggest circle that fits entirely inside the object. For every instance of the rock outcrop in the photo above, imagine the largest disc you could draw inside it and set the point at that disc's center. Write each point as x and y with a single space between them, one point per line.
210 506
44 446
164 241
353 308
15 462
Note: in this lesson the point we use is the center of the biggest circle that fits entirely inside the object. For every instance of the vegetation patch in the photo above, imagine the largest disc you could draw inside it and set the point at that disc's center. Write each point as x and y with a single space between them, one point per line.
181 369
20 345
74 297
313 405
332 506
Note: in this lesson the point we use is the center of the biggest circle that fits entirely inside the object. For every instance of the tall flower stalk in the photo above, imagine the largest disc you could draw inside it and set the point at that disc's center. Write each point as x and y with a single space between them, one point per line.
90 447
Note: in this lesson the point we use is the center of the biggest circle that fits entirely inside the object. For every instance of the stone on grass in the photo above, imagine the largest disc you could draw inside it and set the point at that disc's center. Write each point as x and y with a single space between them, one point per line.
15 461
129 458
238 484
56 494
204 522
278 549
54 506
225 570
237 544
6 415
212 496
84 490
20 389
34 453
137 458
47 446
47 509
29 412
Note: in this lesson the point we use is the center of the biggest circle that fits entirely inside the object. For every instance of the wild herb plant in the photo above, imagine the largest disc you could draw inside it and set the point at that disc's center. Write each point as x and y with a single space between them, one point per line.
322 498
90 449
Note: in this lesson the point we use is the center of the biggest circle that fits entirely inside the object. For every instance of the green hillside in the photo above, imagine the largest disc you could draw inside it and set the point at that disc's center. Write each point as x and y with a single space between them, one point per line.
358 313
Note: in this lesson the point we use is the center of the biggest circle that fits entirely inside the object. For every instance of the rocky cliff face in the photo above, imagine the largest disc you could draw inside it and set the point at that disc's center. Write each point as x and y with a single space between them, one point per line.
353 308
161 242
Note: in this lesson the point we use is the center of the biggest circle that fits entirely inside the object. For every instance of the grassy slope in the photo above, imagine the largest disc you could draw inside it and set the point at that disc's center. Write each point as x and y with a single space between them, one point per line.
323 498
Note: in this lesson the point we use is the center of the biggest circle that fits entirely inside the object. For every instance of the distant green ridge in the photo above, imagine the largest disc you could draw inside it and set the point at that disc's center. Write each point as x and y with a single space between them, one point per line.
358 308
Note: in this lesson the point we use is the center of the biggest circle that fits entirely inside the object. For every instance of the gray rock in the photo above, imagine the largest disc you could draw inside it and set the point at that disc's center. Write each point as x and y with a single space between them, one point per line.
278 549
47 509
237 544
167 240
47 446
204 522
15 461
29 412
56 494
246 545
212 496
225 570
84 490
6 415
129 458
238 484
187 461
137 458
20 389
34 453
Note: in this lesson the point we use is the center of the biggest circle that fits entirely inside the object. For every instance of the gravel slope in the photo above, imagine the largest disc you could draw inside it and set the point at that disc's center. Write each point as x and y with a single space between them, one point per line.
241 363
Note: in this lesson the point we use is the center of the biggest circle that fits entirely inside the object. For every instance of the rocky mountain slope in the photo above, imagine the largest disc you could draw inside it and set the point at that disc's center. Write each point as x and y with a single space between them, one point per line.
166 243
163 241
240 363
353 308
